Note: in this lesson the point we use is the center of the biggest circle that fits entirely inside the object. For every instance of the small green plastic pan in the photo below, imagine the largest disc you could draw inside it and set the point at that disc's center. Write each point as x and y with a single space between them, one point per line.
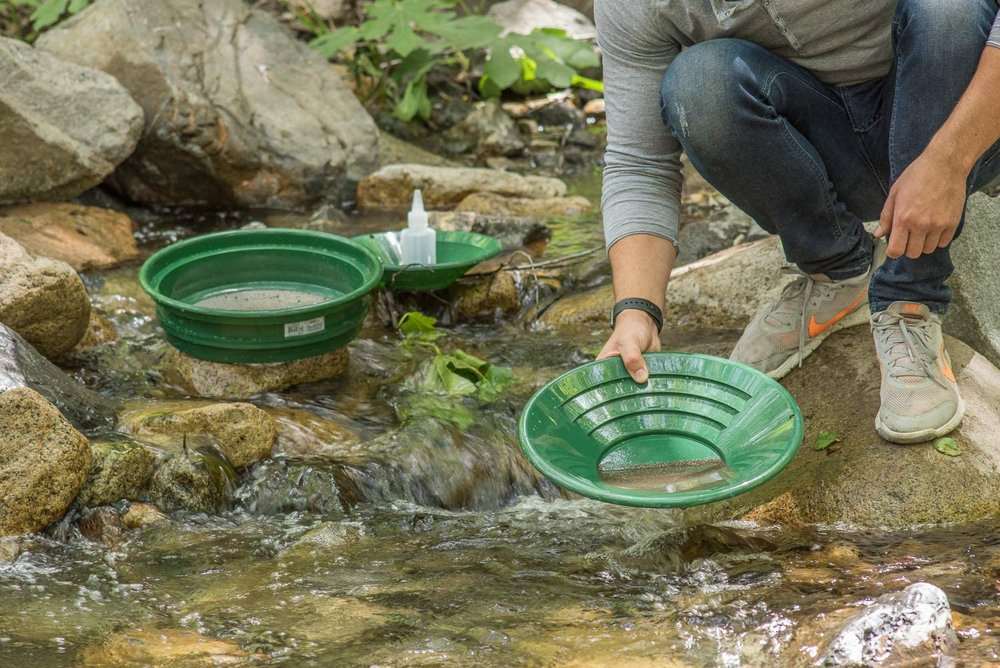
702 429
457 253
260 296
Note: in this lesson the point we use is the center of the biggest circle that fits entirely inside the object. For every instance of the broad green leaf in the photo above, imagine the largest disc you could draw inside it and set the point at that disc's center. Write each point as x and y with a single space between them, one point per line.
333 42
77 6
489 88
376 28
947 446
48 13
402 39
555 73
415 322
410 105
446 409
470 32
825 439
501 68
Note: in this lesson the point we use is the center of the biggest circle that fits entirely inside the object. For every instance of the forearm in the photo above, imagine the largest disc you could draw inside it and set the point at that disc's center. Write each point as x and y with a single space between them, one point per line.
641 266
974 125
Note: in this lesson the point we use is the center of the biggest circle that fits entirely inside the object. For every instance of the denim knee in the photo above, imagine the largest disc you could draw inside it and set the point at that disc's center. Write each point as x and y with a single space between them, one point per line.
950 25
701 88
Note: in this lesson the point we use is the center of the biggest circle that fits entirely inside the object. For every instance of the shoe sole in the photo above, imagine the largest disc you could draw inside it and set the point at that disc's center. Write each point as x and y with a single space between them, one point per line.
859 316
924 435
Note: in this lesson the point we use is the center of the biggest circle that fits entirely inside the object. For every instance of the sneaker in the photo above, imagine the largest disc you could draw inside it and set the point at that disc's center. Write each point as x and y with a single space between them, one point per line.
811 308
920 399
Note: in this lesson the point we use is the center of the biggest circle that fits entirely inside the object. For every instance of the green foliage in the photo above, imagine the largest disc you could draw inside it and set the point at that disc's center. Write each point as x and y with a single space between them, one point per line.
948 446
402 41
825 439
444 378
47 13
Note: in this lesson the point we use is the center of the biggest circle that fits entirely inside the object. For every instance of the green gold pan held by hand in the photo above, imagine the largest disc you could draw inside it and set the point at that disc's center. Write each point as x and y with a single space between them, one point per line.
260 296
457 253
702 429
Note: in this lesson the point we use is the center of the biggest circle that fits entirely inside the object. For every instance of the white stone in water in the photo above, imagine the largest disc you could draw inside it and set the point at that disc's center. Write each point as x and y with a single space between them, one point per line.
916 617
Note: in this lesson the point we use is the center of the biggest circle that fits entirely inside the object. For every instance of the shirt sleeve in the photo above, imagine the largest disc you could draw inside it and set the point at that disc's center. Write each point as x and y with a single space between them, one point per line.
642 164
994 39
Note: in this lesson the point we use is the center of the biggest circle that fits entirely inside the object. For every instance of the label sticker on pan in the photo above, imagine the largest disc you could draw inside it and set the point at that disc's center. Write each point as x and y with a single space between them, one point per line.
305 327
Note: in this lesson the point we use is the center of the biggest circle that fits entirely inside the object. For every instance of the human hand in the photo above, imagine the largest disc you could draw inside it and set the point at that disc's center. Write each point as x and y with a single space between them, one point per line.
924 208
635 333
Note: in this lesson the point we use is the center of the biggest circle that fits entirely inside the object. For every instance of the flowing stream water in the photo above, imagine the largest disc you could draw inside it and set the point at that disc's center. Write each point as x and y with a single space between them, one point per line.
437 545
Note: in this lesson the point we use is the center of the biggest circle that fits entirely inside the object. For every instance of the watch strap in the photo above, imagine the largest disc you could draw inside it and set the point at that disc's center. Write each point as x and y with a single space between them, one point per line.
638 304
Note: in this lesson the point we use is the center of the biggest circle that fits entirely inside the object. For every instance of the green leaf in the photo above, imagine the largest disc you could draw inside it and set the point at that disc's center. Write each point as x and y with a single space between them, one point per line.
413 101
589 84
557 74
77 6
415 322
48 13
825 440
501 68
469 32
403 40
333 42
442 408
948 446
488 88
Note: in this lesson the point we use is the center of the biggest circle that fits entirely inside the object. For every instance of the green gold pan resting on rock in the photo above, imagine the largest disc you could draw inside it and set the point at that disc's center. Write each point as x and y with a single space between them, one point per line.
457 253
259 296
702 429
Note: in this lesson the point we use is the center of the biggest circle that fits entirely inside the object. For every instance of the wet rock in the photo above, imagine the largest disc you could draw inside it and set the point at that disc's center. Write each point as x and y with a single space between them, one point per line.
721 290
391 188
238 112
121 469
594 107
244 433
488 131
544 208
43 462
304 434
975 313
41 299
328 536
489 296
280 486
869 482
84 237
215 380
392 151
100 331
102 525
64 128
11 548
198 480
908 625
23 366
512 232
718 232
142 515
163 648
523 16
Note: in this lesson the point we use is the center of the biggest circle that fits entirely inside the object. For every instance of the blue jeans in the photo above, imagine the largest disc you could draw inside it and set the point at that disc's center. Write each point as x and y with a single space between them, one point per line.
810 161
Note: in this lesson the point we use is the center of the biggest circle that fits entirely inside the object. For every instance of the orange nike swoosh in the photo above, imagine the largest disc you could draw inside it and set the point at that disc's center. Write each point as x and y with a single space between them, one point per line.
817 328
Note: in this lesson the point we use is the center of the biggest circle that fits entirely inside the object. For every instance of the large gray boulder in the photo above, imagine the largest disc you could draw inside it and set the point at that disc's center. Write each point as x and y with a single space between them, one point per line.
43 462
523 16
42 299
238 112
63 128
23 366
975 313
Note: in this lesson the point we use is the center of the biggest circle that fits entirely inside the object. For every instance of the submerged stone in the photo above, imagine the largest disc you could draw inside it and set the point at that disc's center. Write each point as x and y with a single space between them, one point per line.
141 515
244 433
910 625
121 469
198 480
43 462
163 648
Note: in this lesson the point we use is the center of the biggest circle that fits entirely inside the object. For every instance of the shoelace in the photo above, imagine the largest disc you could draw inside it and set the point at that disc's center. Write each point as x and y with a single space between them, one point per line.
805 284
907 345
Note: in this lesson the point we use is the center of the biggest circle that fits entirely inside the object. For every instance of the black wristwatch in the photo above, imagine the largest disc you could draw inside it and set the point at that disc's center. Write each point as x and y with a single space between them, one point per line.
644 305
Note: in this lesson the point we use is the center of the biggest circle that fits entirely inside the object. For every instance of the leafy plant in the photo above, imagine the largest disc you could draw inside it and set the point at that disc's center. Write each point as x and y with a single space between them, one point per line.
402 41
46 13
948 446
825 439
444 377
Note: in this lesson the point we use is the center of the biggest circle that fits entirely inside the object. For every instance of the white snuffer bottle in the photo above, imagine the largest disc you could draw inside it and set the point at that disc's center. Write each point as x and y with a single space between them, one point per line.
418 241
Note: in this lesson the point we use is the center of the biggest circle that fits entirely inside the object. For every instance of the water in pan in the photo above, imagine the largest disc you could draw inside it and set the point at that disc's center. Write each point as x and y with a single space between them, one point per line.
260 299
680 476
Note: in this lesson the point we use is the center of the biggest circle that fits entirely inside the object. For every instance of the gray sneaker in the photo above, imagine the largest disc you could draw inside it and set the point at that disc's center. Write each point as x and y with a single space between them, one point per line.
920 398
811 308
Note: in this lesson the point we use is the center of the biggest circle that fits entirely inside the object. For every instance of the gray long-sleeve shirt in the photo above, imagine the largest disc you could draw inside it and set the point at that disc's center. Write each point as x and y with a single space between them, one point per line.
841 41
